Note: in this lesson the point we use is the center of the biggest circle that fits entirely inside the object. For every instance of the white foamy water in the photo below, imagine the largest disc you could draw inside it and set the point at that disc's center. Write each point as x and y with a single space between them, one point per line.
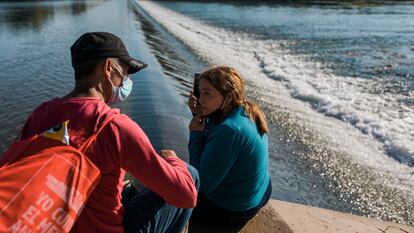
368 127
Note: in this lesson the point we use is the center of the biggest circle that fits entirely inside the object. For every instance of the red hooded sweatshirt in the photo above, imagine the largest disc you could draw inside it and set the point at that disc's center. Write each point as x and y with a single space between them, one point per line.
121 146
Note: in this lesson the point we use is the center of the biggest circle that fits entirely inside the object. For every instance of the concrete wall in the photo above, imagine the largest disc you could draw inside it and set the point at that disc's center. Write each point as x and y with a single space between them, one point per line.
285 217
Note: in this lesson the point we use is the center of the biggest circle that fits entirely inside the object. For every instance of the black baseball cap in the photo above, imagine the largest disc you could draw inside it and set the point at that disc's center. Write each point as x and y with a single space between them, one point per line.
95 45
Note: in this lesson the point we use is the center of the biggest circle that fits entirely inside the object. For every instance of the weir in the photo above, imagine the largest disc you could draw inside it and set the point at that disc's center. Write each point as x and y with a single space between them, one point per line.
276 216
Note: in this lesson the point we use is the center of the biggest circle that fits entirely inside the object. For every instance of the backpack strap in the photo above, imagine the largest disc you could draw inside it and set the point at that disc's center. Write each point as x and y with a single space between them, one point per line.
92 138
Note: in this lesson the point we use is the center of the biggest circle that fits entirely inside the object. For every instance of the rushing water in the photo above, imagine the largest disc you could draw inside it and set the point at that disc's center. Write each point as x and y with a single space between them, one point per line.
335 82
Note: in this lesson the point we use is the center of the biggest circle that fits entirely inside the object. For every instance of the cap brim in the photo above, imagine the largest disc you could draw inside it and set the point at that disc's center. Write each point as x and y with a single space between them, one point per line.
134 64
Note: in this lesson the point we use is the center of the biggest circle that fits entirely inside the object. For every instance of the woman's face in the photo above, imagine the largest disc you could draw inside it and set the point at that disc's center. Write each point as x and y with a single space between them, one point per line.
210 98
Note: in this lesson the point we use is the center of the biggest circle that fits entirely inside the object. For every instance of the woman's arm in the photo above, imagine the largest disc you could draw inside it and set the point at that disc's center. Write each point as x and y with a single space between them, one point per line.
214 156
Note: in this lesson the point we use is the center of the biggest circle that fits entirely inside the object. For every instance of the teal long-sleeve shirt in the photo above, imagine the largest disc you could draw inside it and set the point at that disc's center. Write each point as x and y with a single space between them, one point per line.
232 160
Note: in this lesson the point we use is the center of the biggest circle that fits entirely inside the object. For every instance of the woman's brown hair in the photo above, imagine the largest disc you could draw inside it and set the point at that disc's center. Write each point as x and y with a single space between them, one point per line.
230 84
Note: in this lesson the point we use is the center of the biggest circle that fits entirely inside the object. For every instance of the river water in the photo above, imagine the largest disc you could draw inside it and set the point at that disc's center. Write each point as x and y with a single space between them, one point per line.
336 83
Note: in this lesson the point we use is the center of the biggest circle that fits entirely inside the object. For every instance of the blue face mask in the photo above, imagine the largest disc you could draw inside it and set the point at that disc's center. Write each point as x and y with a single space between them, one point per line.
120 94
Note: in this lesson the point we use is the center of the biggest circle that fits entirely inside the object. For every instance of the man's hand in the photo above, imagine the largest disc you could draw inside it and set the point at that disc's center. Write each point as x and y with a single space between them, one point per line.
167 153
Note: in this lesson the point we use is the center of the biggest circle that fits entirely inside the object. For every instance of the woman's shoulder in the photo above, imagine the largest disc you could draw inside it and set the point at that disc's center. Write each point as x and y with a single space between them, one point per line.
240 122
233 124
237 118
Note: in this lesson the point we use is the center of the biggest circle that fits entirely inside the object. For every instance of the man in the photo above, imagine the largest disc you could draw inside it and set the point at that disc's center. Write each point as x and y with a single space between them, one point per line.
102 66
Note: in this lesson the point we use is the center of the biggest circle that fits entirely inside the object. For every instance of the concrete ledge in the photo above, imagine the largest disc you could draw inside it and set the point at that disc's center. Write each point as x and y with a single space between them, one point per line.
285 217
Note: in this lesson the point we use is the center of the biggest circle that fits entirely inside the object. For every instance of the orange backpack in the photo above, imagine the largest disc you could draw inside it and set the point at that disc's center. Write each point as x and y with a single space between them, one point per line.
45 183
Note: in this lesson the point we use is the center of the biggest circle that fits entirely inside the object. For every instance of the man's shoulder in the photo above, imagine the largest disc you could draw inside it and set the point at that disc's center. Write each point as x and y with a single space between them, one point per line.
124 122
82 103
122 119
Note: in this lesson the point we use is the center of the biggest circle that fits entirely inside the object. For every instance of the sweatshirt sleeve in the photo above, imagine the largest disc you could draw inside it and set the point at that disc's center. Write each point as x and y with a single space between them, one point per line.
31 126
26 131
169 178
213 156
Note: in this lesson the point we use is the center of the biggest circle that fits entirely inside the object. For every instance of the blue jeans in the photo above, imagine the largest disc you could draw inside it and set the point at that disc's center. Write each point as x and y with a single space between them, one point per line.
146 211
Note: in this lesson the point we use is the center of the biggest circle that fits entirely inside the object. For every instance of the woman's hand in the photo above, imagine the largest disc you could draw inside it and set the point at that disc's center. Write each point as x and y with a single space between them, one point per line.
167 154
193 104
198 123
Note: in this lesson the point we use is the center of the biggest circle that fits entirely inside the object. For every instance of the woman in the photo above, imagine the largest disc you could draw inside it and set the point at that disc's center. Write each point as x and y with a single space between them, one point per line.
228 146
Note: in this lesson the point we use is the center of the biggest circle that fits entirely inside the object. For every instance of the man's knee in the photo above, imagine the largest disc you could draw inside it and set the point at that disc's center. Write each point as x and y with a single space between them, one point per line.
194 174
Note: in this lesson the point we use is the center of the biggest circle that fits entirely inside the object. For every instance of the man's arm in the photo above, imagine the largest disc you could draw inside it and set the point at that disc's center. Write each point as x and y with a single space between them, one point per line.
168 177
